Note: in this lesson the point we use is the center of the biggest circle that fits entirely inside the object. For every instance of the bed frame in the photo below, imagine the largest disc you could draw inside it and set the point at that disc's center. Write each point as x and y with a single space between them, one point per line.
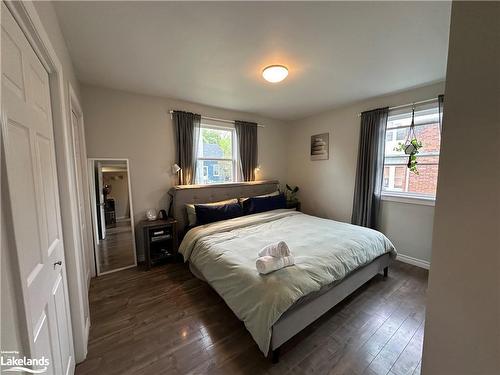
309 308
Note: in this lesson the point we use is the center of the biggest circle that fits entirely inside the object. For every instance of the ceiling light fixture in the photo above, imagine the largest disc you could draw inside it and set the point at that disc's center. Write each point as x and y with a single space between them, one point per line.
275 73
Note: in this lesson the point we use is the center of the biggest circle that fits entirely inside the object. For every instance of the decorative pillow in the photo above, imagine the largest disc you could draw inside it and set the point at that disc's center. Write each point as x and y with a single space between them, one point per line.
209 213
243 200
262 204
191 212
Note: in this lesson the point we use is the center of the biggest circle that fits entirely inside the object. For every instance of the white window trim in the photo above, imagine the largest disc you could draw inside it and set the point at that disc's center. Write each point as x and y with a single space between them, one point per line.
213 124
217 159
408 198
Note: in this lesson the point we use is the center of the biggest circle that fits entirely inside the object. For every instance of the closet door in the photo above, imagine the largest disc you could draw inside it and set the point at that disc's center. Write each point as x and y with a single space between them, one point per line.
28 141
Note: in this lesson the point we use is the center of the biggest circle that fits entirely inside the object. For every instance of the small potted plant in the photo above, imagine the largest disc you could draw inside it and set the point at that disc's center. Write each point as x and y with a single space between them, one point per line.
291 197
410 148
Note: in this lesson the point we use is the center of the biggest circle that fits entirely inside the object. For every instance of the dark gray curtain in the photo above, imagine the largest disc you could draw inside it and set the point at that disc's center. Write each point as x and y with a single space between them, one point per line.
187 134
440 105
370 168
246 132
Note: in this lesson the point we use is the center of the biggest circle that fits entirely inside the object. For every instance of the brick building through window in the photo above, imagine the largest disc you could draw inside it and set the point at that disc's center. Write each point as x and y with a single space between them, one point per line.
397 178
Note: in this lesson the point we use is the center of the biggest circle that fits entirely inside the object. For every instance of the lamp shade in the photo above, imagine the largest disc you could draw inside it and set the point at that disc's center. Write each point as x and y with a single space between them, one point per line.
175 169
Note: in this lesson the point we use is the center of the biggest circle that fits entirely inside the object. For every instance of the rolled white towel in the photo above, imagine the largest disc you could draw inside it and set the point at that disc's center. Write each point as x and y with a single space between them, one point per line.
267 263
278 249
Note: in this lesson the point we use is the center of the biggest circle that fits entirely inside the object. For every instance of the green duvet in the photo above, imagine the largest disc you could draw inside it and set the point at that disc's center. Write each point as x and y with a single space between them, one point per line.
325 251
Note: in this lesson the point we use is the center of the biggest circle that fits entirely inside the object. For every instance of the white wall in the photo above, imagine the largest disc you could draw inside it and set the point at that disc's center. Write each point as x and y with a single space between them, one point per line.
327 186
138 127
462 330
409 226
48 16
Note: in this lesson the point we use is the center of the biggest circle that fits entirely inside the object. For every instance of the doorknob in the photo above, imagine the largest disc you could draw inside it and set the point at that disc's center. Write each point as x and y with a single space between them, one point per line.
58 263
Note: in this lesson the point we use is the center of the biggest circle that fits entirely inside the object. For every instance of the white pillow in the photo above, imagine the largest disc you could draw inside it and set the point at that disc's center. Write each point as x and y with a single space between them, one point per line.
191 211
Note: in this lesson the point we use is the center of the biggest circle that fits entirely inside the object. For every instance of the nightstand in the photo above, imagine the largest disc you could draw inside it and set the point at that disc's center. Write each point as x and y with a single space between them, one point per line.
158 239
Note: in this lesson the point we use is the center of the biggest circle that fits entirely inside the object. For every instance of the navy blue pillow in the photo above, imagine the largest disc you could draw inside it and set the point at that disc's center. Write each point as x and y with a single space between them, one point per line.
262 204
207 213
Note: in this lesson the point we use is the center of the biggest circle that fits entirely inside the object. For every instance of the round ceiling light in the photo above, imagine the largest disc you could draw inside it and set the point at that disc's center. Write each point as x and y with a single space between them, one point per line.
275 73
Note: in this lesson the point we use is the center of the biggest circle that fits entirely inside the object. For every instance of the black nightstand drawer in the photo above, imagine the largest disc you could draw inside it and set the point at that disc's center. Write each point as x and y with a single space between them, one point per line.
159 232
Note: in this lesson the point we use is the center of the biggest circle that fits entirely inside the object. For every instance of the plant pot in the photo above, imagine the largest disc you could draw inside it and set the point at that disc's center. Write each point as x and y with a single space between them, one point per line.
410 149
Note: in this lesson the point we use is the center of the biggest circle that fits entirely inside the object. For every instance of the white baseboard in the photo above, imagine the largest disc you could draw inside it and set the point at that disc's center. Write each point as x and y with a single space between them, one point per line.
414 261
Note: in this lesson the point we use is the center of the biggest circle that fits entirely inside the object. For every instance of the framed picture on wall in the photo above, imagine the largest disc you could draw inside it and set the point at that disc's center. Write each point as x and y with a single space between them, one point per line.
320 146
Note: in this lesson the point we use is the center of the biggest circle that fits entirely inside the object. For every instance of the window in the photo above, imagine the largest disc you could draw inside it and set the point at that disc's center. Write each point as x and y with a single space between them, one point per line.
397 178
216 161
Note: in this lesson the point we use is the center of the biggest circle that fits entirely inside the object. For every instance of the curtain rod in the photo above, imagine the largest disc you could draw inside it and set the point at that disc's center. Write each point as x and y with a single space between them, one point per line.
409 104
216 119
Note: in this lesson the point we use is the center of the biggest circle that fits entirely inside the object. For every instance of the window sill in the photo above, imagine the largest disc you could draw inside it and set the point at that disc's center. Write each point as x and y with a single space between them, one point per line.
394 197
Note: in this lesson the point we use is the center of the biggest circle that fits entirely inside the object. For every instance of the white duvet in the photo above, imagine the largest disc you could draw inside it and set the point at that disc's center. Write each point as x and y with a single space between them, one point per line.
325 251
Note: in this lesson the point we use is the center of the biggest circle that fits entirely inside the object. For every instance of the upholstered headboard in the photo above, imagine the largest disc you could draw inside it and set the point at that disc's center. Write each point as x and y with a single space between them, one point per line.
185 194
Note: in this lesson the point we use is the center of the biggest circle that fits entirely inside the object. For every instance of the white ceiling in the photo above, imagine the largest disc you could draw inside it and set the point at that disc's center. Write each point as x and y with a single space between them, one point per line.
213 53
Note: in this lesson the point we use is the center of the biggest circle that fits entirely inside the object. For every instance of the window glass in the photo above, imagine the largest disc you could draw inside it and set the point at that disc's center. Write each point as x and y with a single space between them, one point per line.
397 178
401 134
216 161
216 143
215 171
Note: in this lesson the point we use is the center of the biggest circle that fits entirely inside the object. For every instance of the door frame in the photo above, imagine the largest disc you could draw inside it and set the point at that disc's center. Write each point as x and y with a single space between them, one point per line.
101 216
26 15
93 203
76 108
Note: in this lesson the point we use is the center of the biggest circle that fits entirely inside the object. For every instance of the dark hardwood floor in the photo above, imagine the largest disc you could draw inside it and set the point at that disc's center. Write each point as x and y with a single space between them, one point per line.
165 321
115 251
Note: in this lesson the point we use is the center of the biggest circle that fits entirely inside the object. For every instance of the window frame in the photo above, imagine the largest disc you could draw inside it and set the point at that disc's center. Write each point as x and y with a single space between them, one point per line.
406 197
215 125
402 196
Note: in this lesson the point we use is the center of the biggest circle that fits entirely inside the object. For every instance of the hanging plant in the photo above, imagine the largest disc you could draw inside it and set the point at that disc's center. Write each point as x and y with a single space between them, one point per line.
411 145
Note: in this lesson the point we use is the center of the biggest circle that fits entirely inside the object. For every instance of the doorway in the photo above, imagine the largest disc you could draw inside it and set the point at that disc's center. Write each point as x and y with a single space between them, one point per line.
112 215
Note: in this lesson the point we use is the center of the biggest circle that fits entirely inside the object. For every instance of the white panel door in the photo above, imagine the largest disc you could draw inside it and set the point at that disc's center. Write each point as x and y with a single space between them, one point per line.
33 191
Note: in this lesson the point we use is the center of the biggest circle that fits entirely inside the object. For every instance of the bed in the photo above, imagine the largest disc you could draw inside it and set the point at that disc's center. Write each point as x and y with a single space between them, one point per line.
332 260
